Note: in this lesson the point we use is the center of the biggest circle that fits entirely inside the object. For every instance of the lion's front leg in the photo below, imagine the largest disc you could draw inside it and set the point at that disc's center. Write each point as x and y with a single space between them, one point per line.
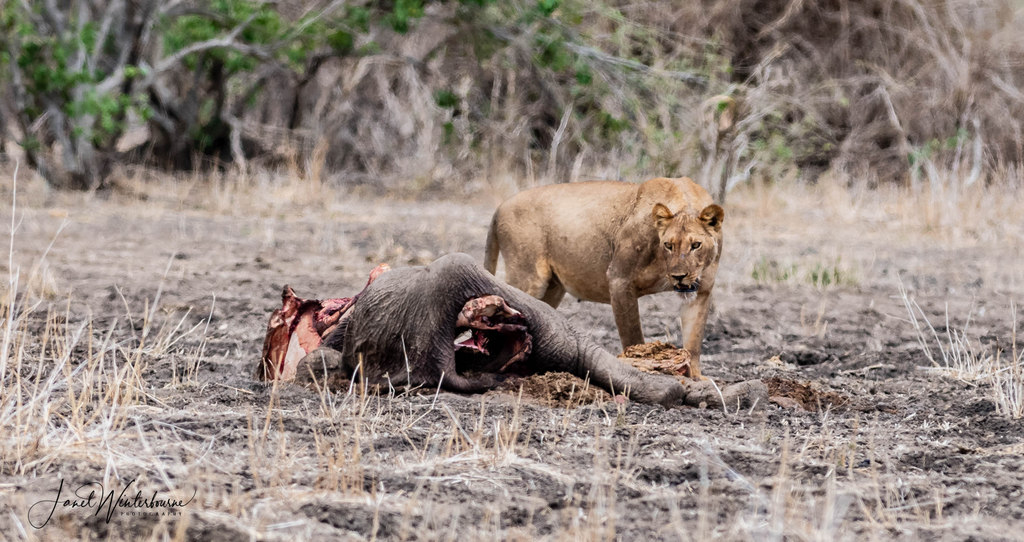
626 311
693 316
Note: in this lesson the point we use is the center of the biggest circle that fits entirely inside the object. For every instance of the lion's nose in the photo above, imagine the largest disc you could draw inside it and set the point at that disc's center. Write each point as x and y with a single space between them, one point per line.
679 278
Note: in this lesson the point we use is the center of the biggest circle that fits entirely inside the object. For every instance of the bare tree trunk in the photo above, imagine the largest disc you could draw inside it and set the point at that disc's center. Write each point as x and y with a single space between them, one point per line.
717 149
3 128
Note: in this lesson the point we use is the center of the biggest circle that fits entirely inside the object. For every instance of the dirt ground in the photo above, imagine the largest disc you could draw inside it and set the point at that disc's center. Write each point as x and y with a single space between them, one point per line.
863 439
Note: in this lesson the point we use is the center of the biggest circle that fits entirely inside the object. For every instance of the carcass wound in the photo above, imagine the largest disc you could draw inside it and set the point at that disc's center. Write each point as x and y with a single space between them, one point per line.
299 326
490 336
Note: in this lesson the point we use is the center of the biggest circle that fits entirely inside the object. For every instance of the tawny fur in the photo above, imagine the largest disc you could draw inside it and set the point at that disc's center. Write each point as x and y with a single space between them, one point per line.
612 242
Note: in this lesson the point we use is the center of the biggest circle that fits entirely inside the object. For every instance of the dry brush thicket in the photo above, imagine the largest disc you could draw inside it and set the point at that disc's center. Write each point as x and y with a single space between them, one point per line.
473 96
875 91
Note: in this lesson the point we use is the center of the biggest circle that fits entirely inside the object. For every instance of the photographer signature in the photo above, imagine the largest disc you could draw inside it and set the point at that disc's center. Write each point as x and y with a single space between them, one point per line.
93 496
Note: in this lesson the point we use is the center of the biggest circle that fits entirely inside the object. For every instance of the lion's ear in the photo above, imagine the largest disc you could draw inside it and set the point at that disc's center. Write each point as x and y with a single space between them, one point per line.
661 216
712 216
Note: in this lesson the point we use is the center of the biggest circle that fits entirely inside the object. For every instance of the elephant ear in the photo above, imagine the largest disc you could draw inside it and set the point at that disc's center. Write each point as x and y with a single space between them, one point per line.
661 216
712 216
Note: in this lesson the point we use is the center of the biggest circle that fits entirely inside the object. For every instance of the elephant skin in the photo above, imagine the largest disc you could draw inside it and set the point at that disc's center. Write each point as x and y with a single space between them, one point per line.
440 325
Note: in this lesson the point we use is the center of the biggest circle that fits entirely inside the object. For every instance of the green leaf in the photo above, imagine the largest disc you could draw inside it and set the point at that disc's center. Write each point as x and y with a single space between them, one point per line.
449 132
552 53
446 99
30 144
403 12
358 18
341 41
583 74
547 7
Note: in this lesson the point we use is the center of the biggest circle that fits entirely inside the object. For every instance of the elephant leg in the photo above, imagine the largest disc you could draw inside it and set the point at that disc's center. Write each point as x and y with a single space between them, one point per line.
612 374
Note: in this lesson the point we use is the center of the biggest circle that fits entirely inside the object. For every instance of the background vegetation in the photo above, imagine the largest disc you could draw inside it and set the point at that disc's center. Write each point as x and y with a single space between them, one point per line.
420 94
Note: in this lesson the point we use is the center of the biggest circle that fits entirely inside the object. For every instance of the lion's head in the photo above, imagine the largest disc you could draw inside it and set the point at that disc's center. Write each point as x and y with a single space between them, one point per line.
688 244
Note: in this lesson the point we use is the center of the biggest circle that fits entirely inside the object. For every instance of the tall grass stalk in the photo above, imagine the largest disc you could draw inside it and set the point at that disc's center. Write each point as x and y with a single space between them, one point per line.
958 357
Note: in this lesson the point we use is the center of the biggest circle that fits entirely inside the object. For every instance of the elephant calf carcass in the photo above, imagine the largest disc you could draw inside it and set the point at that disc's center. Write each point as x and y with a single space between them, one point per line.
449 324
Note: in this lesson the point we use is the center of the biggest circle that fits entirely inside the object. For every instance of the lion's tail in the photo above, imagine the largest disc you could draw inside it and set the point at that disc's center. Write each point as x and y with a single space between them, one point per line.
491 252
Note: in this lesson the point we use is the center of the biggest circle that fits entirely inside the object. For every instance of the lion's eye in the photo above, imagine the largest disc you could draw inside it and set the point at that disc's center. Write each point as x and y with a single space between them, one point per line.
695 245
668 247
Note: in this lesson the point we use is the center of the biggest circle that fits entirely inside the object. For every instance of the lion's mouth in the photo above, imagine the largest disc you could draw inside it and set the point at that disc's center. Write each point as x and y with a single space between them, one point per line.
686 288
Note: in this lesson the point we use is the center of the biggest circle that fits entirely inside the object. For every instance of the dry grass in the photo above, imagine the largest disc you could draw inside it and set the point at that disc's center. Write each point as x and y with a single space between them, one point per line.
961 358
125 396
1008 377
68 388
876 90
73 389
955 214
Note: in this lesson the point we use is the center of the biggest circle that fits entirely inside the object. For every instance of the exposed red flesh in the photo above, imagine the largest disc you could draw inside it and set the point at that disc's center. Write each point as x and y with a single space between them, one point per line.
490 314
299 327
477 342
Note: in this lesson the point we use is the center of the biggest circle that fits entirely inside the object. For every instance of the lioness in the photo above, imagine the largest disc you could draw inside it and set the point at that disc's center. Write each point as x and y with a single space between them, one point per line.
612 242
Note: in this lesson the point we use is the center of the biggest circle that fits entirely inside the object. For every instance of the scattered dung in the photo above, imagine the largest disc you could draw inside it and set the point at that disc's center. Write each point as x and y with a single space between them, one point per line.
803 395
561 390
658 357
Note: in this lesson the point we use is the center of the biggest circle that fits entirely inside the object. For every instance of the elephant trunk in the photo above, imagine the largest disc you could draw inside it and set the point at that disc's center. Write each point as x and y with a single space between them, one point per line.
614 375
